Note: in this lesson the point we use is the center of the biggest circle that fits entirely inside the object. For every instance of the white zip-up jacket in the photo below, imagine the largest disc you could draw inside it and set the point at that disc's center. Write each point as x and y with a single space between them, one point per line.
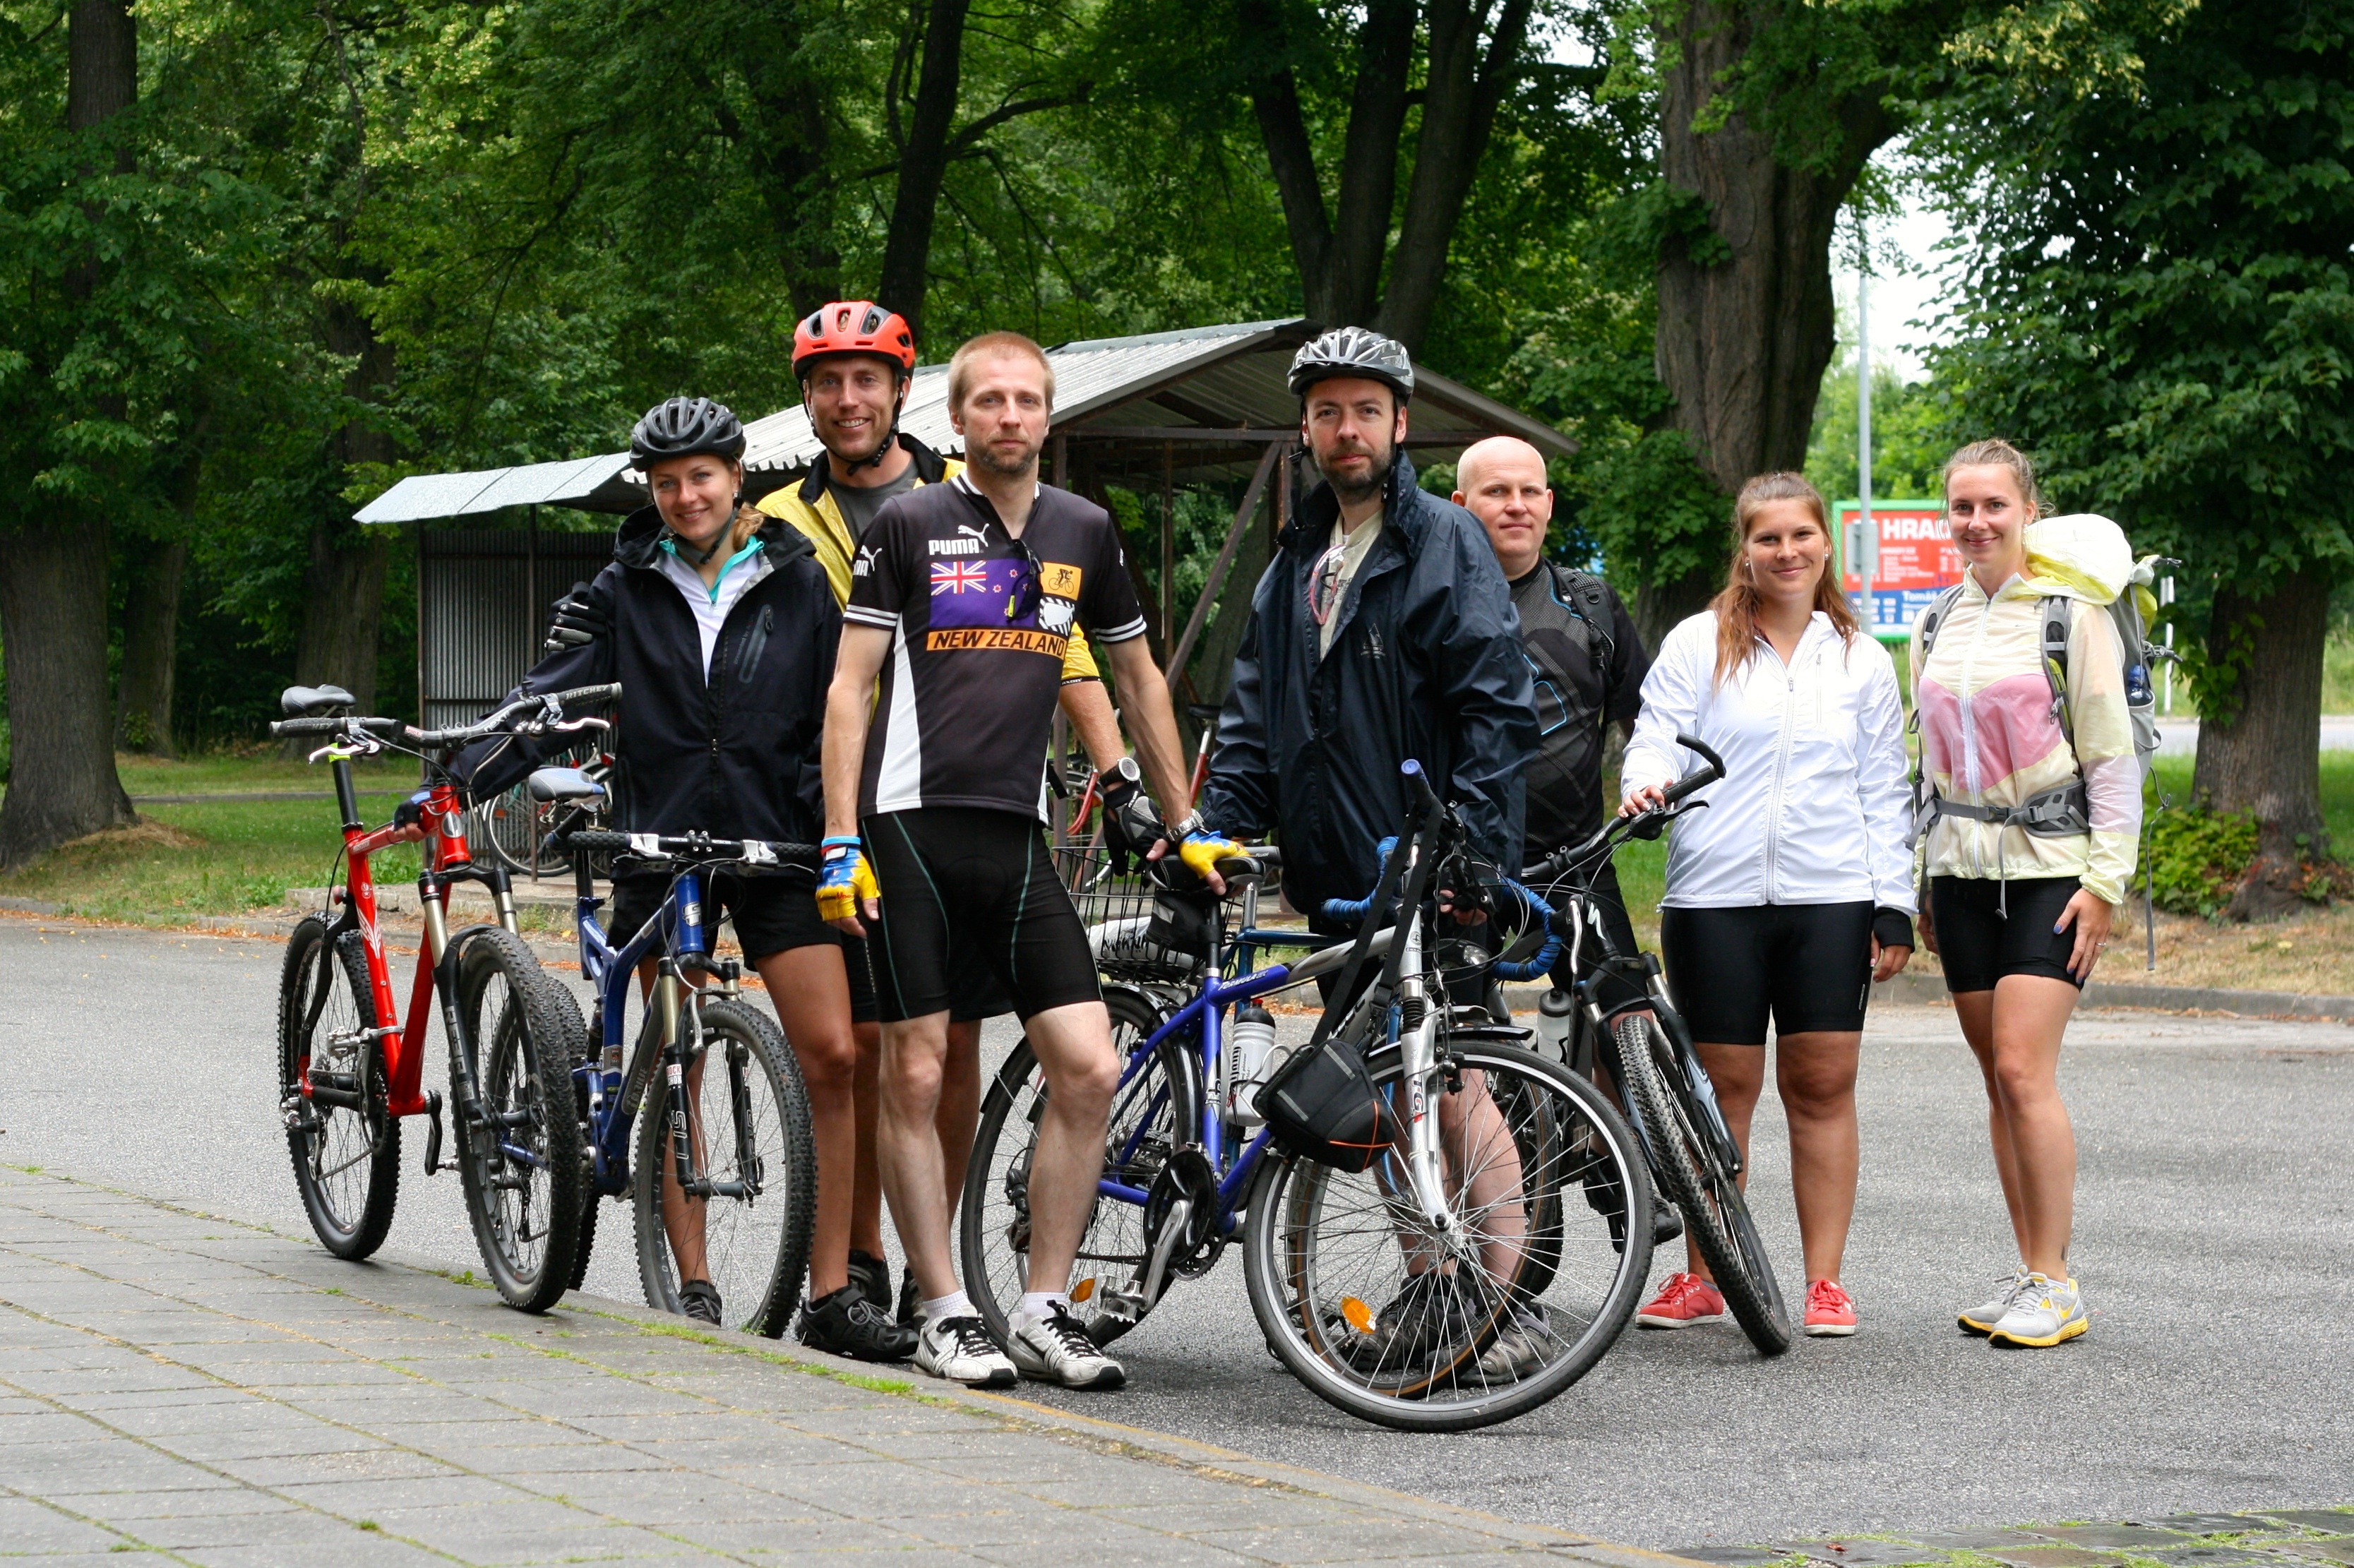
1815 806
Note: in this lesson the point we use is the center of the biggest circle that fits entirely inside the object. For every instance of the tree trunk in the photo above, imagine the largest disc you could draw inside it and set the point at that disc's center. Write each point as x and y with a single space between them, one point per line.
1745 313
924 164
53 623
53 605
150 640
2266 758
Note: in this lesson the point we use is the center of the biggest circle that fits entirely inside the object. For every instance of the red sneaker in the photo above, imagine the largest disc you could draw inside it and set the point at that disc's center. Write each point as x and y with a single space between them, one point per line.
1684 1300
1829 1312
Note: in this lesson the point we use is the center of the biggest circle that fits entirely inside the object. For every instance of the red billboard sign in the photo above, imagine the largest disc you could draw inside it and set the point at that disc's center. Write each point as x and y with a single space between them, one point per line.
1917 561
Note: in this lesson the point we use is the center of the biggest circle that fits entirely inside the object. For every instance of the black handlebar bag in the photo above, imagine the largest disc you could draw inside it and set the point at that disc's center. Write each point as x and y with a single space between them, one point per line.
1321 1105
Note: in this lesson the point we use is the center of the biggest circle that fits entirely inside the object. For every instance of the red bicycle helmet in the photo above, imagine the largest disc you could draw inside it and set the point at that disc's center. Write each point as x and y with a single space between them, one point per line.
854 326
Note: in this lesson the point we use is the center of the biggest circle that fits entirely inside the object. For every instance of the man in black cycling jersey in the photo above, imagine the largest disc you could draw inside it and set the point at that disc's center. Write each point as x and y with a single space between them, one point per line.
854 360
964 600
719 624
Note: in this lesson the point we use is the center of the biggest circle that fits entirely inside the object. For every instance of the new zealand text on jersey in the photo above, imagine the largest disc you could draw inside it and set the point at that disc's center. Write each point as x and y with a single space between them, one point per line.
1012 639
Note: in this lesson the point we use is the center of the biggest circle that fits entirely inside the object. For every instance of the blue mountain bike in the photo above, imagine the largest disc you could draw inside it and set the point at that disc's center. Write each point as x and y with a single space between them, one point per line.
724 1181
1483 1264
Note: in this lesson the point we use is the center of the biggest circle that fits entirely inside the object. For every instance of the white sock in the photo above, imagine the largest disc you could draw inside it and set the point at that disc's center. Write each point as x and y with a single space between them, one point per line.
955 1304
1037 1306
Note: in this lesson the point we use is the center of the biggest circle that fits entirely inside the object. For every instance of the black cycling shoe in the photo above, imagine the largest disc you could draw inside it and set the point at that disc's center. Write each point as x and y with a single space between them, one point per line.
872 1277
846 1323
699 1299
1666 1224
911 1303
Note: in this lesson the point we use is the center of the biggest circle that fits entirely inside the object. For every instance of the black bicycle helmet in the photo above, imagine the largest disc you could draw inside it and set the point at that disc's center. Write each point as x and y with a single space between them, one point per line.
1353 351
683 427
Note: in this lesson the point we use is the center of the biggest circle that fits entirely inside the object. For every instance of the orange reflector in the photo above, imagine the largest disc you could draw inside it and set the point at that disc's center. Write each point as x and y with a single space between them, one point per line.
1360 1316
1083 1289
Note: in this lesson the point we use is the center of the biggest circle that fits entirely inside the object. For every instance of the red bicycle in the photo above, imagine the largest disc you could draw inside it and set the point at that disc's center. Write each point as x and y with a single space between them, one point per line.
350 1068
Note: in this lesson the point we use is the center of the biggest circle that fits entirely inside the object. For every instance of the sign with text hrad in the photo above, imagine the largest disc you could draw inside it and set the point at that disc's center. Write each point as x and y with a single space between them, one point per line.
1917 561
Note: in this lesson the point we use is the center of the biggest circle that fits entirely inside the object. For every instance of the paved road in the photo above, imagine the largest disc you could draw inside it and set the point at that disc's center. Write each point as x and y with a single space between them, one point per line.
2217 1210
2179 736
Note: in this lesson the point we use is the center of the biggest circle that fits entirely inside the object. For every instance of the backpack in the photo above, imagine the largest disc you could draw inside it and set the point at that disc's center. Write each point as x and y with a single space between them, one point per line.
2064 811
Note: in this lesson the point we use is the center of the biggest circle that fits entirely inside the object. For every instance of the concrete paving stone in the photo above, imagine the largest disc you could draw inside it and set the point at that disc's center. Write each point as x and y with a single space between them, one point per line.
130 1508
289 1530
2051 1557
44 1426
2211 1557
1863 1554
109 1558
586 1461
1364 1540
807 1533
702 1424
492 1426
889 1416
879 1490
2208 1523
2335 1522
1060 1533
193 1395
364 1498
2340 1549
26 1527
366 1548
245 1414
513 1511
1145 1483
130 1468
581 1397
1247 1509
2108 1537
757 1450
363 1466
314 1441
1157 1554
661 1498
491 1542
1728 1556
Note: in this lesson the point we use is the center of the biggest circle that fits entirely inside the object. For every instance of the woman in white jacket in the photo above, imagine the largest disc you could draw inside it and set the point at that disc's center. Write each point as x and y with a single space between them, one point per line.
1793 891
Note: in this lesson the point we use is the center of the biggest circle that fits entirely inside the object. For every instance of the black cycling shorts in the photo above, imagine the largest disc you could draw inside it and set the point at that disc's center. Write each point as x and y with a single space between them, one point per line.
1809 965
1978 944
978 994
962 884
772 913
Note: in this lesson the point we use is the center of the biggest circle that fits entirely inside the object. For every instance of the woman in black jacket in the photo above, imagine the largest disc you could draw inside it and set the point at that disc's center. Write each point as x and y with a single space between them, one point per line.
720 626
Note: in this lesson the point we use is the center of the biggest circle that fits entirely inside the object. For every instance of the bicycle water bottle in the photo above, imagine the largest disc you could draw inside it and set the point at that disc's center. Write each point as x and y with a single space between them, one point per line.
2137 690
1555 1010
1249 1042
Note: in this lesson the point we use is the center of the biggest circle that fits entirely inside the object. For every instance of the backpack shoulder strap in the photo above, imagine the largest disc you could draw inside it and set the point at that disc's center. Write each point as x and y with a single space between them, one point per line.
1589 602
2053 616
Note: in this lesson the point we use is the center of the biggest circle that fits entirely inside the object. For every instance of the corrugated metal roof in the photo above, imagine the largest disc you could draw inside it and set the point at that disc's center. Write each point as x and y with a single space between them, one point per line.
1226 377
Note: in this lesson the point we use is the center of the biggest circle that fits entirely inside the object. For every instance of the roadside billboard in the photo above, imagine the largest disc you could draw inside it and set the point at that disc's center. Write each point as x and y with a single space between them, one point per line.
1917 561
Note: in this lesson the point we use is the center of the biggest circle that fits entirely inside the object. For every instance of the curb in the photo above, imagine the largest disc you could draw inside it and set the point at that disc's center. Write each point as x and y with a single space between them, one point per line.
1910 990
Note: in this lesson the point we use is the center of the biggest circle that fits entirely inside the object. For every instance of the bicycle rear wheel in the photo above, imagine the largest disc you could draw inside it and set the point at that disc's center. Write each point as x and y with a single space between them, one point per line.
1392 1321
1157 1109
522 1167
1693 1177
346 1156
749 1116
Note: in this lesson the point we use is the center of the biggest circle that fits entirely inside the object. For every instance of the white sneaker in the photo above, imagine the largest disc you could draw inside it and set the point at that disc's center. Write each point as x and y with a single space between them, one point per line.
1055 1349
960 1350
1982 1319
2045 1312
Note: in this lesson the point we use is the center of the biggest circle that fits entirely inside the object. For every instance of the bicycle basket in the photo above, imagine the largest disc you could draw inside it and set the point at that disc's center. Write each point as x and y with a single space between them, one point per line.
1119 915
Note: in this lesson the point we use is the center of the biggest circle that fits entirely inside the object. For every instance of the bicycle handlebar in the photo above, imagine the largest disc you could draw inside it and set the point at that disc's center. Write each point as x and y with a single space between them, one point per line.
1699 777
283 729
1620 827
551 703
689 846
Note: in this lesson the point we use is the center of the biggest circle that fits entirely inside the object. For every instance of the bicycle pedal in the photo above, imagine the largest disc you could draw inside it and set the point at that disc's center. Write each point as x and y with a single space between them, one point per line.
433 1132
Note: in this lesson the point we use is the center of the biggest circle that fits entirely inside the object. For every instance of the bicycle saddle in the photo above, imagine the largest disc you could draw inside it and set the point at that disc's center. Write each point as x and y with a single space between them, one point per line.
1204 711
309 701
564 784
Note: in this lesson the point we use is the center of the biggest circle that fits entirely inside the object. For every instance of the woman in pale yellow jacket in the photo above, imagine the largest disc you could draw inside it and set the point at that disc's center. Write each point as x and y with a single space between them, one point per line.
2017 918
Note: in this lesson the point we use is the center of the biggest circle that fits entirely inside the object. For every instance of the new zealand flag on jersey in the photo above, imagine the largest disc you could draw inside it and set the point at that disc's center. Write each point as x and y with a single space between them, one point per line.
975 593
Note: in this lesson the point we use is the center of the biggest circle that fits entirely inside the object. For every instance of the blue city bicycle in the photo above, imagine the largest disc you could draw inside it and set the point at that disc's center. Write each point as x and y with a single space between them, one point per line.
1478 1267
725 1171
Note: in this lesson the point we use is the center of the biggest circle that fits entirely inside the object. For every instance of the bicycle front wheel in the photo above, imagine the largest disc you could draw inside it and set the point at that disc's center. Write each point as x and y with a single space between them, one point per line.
344 1144
1694 1178
1153 1113
748 1120
1401 1323
522 1162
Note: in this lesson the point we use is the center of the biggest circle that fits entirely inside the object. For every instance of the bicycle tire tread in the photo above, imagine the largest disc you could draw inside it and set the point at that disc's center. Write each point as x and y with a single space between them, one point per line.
375 1219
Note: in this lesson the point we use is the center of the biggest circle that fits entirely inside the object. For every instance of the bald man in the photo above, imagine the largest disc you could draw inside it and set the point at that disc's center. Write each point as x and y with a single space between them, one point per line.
1584 653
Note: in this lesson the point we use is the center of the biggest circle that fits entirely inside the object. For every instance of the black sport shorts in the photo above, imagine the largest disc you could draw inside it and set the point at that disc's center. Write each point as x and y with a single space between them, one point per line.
961 883
1809 965
772 913
978 994
1978 944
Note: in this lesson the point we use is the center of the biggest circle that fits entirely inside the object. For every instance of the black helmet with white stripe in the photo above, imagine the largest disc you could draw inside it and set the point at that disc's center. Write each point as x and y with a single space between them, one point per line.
1353 351
682 427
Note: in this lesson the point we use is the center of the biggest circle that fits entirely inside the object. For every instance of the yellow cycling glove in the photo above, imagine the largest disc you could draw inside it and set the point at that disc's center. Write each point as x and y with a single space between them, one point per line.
845 879
1202 848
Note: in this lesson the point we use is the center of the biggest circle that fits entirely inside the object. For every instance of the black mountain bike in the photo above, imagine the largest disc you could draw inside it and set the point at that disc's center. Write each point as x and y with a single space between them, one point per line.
1646 1049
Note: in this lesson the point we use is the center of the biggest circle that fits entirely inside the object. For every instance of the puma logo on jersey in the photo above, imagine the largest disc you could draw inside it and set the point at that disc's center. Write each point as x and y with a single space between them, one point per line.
953 546
864 565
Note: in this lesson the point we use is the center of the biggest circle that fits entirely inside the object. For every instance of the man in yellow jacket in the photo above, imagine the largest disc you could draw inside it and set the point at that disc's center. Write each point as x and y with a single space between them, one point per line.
854 361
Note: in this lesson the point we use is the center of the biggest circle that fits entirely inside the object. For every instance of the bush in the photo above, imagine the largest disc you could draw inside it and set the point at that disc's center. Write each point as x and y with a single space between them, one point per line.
2197 858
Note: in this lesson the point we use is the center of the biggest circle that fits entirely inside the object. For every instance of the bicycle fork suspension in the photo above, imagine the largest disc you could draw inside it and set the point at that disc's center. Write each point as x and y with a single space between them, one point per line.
681 1023
1425 1170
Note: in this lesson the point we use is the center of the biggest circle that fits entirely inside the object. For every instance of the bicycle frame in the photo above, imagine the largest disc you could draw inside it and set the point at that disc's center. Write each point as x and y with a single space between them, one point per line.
447 860
614 1091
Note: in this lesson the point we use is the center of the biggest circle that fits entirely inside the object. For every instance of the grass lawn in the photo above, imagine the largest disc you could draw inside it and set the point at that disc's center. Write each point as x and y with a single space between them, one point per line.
226 858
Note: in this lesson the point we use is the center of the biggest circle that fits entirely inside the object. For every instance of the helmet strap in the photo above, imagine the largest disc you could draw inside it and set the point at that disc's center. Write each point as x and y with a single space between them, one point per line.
891 436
